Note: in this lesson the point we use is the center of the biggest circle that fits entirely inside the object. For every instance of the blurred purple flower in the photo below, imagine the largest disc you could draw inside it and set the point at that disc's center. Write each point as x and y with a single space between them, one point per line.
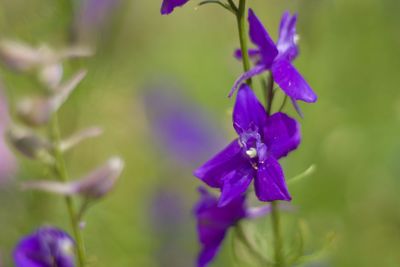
262 141
93 16
169 5
47 247
214 221
8 162
180 126
277 58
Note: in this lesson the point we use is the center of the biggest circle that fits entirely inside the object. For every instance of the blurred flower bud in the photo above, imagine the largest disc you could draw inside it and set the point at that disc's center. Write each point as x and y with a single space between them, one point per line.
35 111
21 57
93 186
79 137
28 143
51 75
38 111
18 56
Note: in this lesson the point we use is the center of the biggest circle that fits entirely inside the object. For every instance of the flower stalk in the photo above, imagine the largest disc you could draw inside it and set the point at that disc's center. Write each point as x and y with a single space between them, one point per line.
62 174
240 17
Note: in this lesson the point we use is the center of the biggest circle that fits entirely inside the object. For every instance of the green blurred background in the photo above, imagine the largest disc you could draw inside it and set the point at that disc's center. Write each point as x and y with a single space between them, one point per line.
349 54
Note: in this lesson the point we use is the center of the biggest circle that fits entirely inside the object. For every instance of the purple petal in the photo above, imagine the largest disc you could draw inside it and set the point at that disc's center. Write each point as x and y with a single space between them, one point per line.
270 181
214 170
254 54
235 184
213 223
260 37
247 75
291 82
248 112
169 5
47 247
281 134
286 44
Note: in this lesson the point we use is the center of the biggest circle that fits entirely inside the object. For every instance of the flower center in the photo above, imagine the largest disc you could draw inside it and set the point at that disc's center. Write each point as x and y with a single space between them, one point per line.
252 152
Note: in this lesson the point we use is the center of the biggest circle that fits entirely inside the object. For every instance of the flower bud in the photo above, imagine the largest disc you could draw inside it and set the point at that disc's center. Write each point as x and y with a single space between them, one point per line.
18 56
50 75
38 111
28 143
93 186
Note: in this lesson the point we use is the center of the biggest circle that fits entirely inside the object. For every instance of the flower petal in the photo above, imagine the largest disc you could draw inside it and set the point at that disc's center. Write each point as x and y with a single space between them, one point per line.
213 223
169 5
291 82
270 182
260 37
258 69
281 134
286 44
248 111
235 184
213 171
253 54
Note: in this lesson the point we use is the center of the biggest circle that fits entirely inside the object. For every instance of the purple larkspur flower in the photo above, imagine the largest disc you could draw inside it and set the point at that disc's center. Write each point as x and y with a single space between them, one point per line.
169 5
277 58
180 127
214 221
262 141
46 247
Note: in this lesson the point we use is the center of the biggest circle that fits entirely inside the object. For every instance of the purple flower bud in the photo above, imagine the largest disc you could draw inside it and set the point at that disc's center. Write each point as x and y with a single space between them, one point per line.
47 247
94 185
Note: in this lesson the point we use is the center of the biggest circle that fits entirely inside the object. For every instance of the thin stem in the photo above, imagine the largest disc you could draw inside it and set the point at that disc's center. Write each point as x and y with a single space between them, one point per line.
276 228
240 233
62 174
270 93
283 103
240 17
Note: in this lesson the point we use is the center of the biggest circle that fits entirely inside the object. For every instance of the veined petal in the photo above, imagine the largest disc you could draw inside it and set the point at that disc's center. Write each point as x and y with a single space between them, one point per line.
287 37
169 5
235 184
248 111
214 170
270 181
258 69
291 82
260 37
281 134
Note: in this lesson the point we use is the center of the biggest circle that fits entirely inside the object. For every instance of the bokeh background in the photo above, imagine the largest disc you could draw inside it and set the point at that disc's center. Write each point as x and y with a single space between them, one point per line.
152 74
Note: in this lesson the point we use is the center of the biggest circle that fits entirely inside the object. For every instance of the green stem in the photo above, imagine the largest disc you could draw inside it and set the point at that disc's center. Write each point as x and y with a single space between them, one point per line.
240 17
240 233
62 174
270 93
276 228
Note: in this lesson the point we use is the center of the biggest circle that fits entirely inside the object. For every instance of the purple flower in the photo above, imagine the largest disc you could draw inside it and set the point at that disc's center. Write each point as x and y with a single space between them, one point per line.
262 141
47 247
169 5
180 127
277 58
213 222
